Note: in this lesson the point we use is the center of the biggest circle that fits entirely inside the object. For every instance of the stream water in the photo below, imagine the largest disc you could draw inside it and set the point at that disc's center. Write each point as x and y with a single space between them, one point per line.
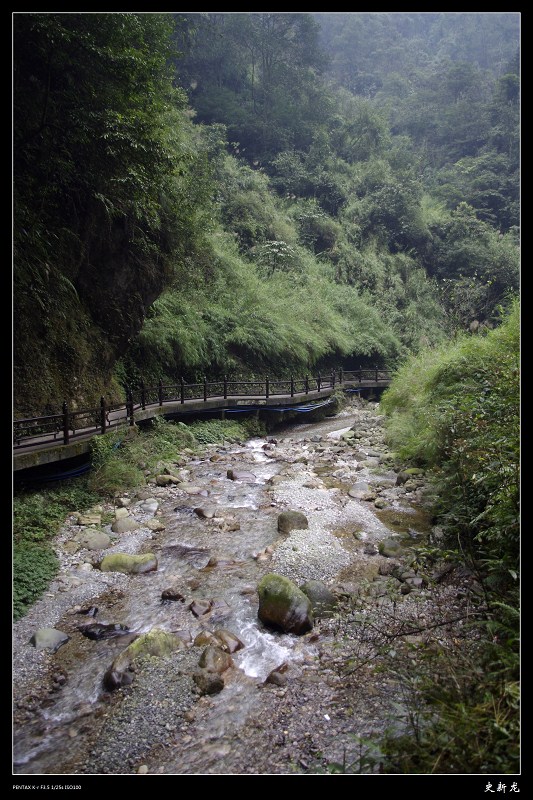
220 558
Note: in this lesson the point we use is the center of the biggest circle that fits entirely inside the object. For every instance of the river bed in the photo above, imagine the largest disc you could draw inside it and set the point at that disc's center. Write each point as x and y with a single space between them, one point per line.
66 723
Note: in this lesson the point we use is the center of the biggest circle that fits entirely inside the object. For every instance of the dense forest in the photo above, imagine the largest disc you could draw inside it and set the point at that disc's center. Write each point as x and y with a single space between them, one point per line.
210 193
184 182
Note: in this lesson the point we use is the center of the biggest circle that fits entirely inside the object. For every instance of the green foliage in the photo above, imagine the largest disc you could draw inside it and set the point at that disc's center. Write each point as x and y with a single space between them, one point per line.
456 410
116 457
245 319
37 518
477 266
255 72
252 427
121 199
215 431
109 189
37 515
467 722
115 476
34 566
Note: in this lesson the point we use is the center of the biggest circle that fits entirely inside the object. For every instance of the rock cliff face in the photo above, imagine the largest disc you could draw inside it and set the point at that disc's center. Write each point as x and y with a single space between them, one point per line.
67 346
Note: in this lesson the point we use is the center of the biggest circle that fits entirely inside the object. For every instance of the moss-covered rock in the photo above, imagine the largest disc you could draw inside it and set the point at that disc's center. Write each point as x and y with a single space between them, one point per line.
283 606
292 521
156 643
128 564
390 548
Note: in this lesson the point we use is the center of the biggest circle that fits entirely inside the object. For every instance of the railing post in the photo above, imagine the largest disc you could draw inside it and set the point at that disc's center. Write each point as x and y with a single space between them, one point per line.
376 374
292 385
333 379
360 373
225 387
307 384
182 390
143 396
205 389
66 423
160 392
341 375
267 387
102 414
318 382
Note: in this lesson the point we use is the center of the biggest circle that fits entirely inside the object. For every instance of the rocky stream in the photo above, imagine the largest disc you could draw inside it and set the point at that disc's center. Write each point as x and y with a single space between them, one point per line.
158 662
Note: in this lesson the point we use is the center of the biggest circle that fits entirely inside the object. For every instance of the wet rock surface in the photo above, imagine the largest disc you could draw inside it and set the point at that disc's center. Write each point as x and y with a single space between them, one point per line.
285 703
283 606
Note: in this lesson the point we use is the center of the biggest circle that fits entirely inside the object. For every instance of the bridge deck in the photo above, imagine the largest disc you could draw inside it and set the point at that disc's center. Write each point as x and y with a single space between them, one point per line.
34 450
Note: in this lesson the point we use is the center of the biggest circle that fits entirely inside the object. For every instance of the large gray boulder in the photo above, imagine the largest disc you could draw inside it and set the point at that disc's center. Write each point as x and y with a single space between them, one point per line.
125 524
48 639
283 606
323 601
361 491
93 540
292 521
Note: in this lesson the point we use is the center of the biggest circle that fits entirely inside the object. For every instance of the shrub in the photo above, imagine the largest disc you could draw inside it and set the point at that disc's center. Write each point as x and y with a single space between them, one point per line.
215 431
456 410
34 566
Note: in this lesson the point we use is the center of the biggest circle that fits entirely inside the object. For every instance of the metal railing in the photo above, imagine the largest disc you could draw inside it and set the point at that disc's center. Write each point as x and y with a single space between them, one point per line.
74 424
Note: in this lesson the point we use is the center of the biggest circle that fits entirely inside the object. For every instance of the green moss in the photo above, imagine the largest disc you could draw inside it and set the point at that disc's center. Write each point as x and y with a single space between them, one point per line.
128 564
154 643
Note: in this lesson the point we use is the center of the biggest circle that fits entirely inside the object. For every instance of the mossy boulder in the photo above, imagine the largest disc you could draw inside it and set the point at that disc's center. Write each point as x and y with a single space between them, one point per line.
125 524
292 521
155 643
128 564
282 605
323 601
390 548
